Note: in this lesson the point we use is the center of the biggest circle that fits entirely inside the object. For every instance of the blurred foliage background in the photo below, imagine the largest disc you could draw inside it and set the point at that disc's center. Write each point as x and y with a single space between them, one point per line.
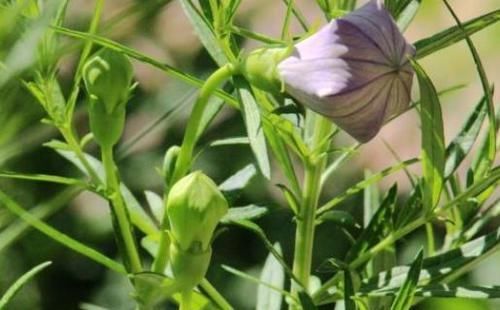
159 29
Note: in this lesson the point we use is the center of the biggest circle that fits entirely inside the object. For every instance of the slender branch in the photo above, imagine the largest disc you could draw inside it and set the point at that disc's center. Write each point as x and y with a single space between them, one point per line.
123 225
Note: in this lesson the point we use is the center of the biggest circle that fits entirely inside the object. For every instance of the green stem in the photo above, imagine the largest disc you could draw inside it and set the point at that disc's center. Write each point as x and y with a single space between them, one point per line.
68 135
123 225
184 159
214 295
304 236
185 303
191 135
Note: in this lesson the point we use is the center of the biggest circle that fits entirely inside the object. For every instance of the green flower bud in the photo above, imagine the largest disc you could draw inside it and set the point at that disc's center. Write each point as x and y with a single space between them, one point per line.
195 205
260 67
108 77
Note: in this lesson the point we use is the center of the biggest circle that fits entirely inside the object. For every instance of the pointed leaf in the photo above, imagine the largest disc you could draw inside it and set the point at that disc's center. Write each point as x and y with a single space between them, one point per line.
454 34
433 151
239 180
404 298
273 274
249 212
463 142
251 116
16 286
204 31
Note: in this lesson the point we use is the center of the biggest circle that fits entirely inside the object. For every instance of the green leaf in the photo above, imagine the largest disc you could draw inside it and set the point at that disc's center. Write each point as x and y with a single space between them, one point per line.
254 228
363 184
271 273
44 178
175 73
433 151
88 306
249 212
377 228
407 13
248 277
439 268
239 180
58 236
454 34
481 162
282 156
42 211
404 297
16 286
137 214
251 116
448 291
204 31
488 94
339 218
230 141
463 142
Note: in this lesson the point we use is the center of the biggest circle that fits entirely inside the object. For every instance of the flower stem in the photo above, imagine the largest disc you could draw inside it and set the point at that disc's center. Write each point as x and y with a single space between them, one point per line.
191 135
184 159
121 218
304 237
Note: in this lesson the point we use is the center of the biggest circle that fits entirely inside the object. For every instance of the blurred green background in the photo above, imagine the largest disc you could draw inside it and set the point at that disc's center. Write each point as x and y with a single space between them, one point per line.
162 31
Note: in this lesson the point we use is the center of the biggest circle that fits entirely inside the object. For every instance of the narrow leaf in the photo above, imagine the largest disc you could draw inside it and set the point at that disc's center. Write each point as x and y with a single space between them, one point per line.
433 151
249 212
239 180
251 116
58 236
363 184
463 142
488 94
378 226
273 274
454 34
204 31
404 298
43 178
16 286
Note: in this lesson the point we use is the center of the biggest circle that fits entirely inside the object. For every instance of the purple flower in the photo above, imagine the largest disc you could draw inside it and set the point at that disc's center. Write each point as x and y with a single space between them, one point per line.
355 71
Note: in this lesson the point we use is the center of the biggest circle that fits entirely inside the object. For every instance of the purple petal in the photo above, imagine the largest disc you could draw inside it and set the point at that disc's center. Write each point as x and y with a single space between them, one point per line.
355 70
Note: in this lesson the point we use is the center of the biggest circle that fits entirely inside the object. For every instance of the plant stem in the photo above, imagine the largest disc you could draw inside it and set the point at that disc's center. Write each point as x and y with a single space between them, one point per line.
304 236
218 299
186 152
191 135
123 226
68 135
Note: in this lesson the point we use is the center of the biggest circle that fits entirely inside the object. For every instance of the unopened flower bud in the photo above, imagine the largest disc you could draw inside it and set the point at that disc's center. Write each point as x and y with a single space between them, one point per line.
260 67
355 70
108 77
195 205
